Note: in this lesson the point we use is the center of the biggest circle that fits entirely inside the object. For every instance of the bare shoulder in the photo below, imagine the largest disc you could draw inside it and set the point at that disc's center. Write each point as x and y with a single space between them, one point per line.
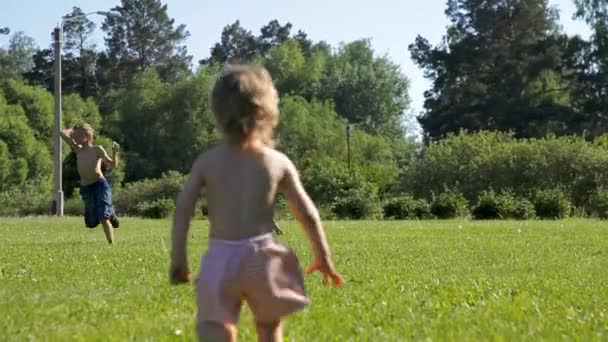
99 149
281 161
205 159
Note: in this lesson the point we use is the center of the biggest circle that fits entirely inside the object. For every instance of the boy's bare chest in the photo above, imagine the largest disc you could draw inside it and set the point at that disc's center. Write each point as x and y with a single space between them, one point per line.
87 159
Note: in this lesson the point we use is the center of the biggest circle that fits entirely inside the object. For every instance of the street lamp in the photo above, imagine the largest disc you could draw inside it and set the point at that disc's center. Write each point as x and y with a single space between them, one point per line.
349 133
57 40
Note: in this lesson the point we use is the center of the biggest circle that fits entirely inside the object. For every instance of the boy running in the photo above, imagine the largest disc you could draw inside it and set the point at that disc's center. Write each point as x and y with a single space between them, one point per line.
95 190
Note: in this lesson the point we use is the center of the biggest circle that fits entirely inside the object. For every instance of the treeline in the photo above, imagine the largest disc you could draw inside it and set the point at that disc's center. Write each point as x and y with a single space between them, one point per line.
485 175
509 66
502 66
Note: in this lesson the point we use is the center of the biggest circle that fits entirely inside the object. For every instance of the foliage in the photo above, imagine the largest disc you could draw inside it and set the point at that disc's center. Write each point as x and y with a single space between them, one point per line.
472 163
489 73
358 203
552 204
17 58
449 204
487 207
160 208
504 205
144 37
406 207
23 158
164 126
148 195
518 208
30 198
598 203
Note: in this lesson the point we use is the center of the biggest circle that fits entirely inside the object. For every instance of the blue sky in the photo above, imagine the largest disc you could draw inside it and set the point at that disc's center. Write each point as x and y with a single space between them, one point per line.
390 24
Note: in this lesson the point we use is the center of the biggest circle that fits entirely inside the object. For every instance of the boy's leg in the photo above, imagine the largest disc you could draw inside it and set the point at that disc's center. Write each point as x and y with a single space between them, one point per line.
114 220
108 229
215 332
269 331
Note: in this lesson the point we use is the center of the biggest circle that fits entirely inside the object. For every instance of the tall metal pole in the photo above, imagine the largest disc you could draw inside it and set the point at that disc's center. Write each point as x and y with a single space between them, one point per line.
58 188
349 132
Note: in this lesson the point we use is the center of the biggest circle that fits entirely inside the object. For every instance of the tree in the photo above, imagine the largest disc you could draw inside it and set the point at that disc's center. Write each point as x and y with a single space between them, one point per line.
80 55
590 60
17 58
143 38
273 34
312 134
42 73
236 44
294 72
305 44
367 90
37 104
499 67
164 126
23 158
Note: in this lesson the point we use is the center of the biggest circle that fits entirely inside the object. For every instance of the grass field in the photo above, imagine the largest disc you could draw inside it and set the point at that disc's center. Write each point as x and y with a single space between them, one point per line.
436 280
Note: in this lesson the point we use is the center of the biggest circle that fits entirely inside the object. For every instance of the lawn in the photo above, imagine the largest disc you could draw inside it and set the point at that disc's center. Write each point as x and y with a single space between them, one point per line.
435 280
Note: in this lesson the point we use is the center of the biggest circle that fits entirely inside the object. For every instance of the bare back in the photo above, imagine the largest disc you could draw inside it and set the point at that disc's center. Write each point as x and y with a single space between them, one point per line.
241 187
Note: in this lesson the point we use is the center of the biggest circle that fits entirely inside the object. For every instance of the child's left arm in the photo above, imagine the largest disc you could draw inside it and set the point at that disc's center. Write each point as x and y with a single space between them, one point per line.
184 209
112 162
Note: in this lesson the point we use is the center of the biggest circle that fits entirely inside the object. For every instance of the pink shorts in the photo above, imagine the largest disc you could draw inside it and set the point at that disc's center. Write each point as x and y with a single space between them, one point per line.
262 272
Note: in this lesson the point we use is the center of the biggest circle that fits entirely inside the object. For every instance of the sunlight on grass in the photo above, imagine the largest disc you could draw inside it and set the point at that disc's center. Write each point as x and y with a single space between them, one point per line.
454 280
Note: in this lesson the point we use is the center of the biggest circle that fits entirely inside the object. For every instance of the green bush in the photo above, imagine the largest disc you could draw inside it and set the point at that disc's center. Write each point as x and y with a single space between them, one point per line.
518 208
361 203
73 206
160 208
326 181
30 199
488 206
406 207
449 204
134 196
473 163
599 203
552 204
505 205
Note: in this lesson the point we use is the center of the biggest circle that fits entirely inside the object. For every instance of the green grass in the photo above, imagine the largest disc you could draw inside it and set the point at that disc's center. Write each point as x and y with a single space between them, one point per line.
439 280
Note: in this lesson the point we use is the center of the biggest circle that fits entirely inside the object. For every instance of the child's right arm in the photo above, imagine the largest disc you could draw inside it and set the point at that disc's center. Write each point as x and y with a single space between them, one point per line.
307 214
184 209
66 135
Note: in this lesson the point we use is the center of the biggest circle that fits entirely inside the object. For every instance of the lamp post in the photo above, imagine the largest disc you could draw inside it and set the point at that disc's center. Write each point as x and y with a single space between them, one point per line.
349 133
57 41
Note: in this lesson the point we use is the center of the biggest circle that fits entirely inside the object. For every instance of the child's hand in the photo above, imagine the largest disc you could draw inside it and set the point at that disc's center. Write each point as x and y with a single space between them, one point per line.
326 267
115 146
179 274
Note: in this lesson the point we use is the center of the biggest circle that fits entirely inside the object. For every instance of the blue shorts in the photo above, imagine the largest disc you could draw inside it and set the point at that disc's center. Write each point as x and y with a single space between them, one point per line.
97 199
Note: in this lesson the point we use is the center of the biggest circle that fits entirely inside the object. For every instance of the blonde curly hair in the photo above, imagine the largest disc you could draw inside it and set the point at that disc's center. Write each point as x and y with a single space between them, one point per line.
246 103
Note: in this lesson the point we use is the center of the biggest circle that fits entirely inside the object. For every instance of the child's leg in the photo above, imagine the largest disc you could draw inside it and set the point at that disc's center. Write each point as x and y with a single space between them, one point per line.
108 229
216 332
269 331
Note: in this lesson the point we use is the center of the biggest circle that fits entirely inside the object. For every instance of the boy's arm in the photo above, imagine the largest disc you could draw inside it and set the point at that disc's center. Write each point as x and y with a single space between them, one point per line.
66 136
184 209
112 162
